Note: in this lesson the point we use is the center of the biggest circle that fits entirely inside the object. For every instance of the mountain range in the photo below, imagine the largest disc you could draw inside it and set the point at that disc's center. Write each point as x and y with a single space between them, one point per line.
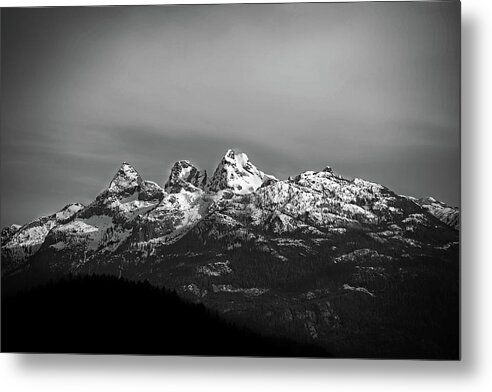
293 256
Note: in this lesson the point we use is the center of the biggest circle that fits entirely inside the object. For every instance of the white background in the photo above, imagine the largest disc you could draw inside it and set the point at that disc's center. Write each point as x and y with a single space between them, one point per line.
474 372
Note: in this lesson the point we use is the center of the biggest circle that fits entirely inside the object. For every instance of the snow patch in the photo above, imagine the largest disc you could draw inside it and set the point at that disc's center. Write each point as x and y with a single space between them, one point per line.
359 289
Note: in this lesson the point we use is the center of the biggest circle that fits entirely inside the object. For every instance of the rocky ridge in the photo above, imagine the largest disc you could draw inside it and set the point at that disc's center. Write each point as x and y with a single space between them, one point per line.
139 213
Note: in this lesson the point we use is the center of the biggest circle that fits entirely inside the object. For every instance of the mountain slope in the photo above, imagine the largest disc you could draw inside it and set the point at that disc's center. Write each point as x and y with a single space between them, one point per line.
298 255
443 212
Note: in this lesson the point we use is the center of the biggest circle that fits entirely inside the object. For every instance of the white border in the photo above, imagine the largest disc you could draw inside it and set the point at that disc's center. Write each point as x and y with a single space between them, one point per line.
474 372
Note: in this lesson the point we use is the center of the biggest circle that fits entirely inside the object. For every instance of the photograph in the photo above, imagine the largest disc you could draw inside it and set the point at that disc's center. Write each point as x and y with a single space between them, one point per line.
232 180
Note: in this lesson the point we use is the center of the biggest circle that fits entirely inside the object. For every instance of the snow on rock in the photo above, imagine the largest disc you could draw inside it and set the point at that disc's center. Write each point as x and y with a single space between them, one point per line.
449 245
27 239
414 222
174 216
291 243
416 219
132 207
195 290
227 288
8 232
410 242
94 233
127 182
218 268
68 211
281 223
443 212
362 256
322 199
185 176
237 173
127 198
105 224
81 231
359 289
76 227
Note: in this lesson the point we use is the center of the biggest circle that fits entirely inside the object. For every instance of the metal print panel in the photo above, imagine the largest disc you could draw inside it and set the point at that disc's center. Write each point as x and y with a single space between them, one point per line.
238 180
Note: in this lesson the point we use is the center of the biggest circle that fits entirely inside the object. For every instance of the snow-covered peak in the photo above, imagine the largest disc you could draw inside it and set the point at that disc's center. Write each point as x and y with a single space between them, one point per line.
237 173
126 179
183 174
237 157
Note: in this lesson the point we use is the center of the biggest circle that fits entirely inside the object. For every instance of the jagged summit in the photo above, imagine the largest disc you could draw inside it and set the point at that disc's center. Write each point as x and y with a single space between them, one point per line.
235 172
124 194
125 180
184 175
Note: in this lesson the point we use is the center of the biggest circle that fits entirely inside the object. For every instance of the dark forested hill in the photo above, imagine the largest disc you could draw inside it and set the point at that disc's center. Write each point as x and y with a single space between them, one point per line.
101 314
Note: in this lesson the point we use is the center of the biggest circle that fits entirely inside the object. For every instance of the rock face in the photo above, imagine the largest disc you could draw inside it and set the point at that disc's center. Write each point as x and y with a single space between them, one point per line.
257 249
150 191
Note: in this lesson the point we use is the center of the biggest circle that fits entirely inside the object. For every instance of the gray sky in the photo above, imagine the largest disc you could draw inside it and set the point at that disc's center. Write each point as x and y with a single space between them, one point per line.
371 89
